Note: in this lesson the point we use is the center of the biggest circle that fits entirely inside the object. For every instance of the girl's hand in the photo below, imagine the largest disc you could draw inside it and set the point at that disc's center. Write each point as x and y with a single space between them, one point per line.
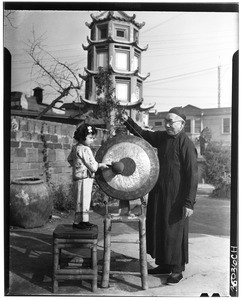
103 166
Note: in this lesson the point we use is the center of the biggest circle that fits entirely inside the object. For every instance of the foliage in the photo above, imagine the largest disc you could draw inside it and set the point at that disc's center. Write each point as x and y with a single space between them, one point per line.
206 134
63 198
108 106
62 195
45 155
218 168
98 195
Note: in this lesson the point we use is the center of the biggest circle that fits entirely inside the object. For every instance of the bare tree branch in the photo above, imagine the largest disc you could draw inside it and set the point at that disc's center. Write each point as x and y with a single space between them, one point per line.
61 77
64 65
35 47
9 16
65 93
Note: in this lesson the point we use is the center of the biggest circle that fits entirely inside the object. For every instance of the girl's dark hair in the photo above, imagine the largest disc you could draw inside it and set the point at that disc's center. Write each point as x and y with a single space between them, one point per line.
83 130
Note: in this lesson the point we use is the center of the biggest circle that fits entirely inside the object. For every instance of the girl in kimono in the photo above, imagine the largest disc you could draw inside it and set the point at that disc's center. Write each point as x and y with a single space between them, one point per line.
84 167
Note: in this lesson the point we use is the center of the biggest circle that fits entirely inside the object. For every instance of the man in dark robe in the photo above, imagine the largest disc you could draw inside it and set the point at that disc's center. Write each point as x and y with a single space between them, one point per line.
171 201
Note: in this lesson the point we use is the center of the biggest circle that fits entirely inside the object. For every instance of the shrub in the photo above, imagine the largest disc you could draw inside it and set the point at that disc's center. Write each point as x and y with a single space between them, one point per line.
97 195
63 199
62 196
218 168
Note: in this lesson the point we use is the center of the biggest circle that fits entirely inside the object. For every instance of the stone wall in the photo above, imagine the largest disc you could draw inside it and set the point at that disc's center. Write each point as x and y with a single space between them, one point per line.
38 146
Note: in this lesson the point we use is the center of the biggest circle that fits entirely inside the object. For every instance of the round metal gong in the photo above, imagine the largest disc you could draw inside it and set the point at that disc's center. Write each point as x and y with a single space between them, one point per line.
133 167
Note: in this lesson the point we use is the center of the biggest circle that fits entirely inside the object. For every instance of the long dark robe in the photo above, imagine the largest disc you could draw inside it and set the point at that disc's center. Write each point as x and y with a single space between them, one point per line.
166 225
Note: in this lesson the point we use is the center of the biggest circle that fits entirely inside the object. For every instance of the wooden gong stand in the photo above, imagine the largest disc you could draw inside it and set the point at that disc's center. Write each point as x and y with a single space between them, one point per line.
133 170
119 218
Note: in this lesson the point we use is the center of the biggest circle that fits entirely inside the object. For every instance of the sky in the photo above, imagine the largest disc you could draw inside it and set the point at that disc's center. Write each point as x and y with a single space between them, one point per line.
184 52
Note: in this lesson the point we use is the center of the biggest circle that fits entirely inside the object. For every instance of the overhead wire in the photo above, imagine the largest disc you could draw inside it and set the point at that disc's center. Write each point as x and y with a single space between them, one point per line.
180 75
162 23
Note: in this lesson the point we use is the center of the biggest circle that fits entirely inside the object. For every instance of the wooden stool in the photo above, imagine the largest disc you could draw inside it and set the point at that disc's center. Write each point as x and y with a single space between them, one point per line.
111 218
65 237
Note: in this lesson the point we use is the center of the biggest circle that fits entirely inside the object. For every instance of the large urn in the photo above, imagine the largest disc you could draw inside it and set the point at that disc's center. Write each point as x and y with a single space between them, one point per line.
30 202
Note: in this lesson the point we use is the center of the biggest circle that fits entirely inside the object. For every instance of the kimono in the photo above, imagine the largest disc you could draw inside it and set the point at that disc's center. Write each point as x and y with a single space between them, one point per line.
84 167
176 187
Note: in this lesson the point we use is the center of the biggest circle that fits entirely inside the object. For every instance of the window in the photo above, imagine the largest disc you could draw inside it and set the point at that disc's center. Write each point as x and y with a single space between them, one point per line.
226 125
136 35
136 63
102 32
122 61
122 32
102 56
90 60
92 33
122 58
138 90
198 126
102 59
88 89
122 89
188 126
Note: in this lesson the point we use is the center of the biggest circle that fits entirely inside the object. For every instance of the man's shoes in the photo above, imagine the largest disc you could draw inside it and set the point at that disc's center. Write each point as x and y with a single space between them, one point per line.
174 279
159 271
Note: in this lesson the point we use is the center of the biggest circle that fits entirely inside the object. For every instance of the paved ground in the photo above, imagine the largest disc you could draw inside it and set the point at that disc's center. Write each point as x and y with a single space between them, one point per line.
30 269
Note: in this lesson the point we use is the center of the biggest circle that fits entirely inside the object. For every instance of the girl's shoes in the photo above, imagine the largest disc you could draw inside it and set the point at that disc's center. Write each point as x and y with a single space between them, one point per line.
83 225
88 224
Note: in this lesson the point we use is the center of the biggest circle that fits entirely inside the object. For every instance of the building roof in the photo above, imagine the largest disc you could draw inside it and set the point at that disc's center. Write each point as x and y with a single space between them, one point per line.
114 15
138 104
191 110
110 39
125 73
217 111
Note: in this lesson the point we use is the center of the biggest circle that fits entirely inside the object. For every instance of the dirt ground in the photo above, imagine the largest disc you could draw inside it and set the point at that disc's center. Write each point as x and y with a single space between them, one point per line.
30 257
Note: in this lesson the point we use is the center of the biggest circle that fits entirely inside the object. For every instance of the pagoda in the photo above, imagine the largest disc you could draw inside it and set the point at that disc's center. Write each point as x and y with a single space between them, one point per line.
114 44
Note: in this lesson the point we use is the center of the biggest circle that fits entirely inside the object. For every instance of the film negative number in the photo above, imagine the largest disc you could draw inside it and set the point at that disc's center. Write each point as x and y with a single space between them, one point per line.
233 270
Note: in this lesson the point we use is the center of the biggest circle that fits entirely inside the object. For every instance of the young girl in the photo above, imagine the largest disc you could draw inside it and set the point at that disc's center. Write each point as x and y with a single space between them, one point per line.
84 167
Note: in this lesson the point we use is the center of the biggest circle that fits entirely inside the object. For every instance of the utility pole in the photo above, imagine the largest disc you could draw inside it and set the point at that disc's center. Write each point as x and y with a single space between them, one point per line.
219 86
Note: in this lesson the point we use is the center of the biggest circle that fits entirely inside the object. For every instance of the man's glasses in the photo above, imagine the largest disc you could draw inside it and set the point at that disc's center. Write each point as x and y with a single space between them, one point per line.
170 122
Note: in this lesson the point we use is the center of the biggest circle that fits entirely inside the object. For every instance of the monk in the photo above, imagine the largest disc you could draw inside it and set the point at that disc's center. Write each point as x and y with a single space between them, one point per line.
171 201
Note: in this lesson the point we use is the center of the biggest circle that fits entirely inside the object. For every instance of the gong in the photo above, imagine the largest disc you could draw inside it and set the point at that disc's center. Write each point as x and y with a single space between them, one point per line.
133 167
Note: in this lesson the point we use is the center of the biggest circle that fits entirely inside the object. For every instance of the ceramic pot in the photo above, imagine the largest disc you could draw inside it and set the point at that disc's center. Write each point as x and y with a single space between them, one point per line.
30 203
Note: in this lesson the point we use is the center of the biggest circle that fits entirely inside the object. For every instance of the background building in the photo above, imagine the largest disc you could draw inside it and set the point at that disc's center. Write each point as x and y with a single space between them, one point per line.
217 120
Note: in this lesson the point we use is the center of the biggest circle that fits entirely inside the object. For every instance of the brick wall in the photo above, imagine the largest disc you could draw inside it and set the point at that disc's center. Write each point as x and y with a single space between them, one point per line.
30 139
